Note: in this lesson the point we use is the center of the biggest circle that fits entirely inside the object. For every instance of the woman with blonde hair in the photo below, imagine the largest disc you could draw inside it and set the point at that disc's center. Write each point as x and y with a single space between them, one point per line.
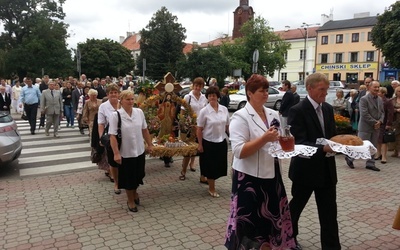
129 153
90 109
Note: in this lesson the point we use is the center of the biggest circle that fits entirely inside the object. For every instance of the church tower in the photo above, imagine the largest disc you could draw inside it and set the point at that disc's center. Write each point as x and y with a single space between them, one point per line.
242 14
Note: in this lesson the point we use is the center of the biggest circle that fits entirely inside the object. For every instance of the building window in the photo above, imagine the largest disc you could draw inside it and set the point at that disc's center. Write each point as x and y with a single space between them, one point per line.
301 76
303 54
355 37
339 38
283 76
324 40
369 38
354 57
285 56
338 58
370 56
324 58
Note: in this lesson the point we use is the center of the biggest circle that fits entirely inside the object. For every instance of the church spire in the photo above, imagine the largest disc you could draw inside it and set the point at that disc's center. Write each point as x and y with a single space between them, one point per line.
244 2
242 14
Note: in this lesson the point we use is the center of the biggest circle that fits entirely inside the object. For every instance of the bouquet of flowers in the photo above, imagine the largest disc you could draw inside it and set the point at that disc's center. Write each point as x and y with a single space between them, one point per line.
153 122
341 121
186 122
145 88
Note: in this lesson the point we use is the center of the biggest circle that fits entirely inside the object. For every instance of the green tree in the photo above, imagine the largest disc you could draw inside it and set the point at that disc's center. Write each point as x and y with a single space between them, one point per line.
386 34
161 44
100 58
206 63
257 35
34 38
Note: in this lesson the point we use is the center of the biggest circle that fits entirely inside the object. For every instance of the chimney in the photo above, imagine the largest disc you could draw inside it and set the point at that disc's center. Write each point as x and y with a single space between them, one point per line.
121 39
128 34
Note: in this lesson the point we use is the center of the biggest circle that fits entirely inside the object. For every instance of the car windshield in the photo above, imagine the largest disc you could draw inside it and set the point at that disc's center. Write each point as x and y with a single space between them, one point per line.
5 117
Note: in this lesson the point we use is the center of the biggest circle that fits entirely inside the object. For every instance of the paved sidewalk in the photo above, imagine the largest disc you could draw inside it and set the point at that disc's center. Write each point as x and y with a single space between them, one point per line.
79 210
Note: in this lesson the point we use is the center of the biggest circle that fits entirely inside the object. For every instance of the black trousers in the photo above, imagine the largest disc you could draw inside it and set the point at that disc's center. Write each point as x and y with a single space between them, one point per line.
31 113
327 212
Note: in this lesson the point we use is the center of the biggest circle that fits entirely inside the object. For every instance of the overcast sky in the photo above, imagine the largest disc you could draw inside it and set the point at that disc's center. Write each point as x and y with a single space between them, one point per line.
204 20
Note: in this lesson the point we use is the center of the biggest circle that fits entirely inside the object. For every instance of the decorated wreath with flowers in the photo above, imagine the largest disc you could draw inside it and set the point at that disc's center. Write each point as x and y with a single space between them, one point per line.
186 120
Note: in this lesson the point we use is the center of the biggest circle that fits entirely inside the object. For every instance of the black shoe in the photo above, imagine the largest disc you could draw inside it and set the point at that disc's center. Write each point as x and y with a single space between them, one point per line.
32 132
297 247
137 201
167 165
378 158
117 191
373 168
134 209
349 163
82 133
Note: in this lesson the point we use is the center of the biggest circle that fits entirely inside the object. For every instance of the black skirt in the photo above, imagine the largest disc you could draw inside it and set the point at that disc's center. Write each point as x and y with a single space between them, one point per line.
131 172
214 159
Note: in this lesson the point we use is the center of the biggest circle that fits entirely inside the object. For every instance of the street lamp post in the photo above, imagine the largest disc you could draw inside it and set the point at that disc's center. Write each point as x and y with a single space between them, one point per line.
305 35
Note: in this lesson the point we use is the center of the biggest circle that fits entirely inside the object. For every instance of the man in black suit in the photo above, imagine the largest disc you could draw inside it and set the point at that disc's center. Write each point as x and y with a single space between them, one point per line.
101 93
287 102
5 99
310 119
295 95
76 94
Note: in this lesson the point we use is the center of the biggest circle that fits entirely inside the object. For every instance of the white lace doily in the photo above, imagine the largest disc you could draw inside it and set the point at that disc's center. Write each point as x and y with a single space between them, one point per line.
356 152
275 150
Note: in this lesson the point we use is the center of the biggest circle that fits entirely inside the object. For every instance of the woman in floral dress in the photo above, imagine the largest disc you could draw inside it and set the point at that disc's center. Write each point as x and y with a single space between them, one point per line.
259 215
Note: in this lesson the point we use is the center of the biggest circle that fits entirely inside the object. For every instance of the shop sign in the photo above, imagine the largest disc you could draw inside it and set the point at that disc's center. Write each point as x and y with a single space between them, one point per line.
348 66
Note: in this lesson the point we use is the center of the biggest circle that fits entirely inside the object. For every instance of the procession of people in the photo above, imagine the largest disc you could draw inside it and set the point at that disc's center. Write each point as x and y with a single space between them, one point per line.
261 214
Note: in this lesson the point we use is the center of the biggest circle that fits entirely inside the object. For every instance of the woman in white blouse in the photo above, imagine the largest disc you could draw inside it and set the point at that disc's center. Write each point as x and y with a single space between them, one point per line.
105 111
197 101
131 153
16 92
212 124
259 216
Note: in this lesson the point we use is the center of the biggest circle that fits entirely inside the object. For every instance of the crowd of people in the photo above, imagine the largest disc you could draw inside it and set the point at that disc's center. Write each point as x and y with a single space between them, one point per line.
261 215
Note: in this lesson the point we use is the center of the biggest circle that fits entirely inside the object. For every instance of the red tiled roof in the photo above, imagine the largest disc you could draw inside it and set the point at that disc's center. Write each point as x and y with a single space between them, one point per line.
188 48
297 33
217 42
131 43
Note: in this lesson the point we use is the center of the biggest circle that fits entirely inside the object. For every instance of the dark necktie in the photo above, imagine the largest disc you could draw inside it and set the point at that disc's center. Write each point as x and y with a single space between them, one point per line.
52 93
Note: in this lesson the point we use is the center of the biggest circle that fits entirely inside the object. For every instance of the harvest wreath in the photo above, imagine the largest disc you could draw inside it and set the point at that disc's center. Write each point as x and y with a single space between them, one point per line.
162 144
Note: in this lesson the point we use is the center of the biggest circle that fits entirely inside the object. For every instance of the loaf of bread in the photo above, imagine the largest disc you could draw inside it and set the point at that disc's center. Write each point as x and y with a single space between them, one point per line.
350 140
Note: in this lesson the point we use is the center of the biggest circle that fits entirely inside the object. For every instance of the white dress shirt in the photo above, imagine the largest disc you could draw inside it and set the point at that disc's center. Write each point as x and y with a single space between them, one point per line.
213 123
132 143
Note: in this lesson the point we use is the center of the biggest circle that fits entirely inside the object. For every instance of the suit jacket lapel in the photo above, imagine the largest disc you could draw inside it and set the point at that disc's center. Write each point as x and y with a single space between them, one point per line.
255 117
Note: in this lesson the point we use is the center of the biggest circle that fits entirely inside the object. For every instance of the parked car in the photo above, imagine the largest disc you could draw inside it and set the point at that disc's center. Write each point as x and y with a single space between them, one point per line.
239 100
233 85
186 89
298 83
336 85
10 140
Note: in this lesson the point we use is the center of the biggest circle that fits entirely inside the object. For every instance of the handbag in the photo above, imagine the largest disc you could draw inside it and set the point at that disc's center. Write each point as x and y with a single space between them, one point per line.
389 136
95 157
105 140
24 116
